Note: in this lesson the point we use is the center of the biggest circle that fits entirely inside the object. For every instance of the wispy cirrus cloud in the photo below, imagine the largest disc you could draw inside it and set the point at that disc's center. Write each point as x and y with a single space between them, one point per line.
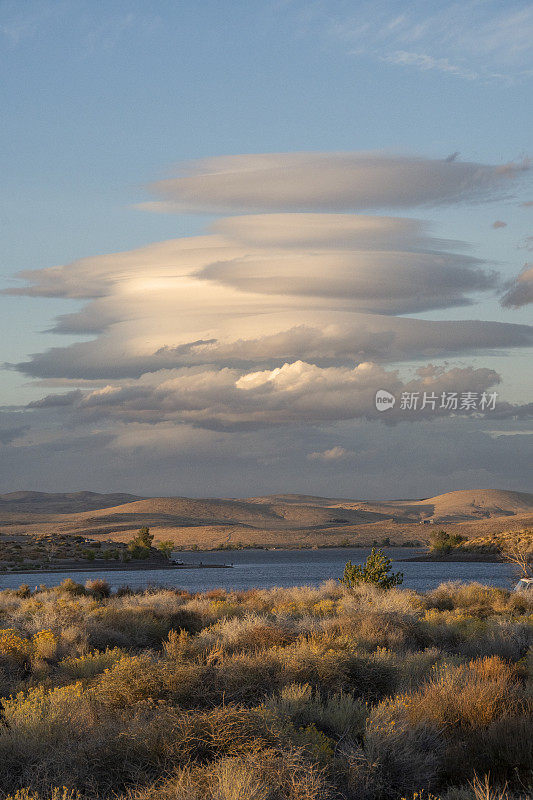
426 62
20 23
469 40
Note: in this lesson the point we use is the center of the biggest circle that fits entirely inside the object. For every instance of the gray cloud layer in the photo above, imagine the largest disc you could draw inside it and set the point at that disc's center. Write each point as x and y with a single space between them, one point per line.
377 281
295 392
179 460
326 182
352 337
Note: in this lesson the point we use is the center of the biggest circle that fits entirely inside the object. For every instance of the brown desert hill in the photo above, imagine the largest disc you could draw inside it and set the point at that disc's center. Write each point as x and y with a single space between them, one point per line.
457 506
184 511
274 520
463 505
66 503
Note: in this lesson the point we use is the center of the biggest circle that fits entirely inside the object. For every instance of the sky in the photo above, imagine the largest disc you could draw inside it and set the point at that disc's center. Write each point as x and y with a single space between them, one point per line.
229 227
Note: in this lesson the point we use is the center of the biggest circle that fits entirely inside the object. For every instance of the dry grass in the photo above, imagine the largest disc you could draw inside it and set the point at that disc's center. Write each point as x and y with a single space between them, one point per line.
281 694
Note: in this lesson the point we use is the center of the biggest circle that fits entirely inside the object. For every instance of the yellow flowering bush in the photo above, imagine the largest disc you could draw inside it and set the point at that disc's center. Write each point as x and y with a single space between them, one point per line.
325 608
93 663
44 644
289 609
14 648
40 708
57 793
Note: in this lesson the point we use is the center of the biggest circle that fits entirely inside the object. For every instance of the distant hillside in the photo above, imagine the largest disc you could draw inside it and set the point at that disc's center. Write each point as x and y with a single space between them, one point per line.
276 520
67 503
467 504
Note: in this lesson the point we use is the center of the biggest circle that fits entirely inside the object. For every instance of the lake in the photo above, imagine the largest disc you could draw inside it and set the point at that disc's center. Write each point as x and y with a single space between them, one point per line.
266 568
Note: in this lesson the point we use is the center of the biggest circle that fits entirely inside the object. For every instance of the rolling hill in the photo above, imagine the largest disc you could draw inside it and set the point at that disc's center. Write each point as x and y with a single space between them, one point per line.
68 503
273 520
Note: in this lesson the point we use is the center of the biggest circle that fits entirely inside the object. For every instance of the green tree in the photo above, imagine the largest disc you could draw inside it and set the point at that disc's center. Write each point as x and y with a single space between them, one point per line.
166 548
441 542
376 570
140 546
144 538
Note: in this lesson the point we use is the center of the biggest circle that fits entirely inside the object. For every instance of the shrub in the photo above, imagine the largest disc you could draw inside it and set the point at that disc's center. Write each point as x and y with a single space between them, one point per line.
91 664
98 588
504 749
376 571
441 542
178 645
135 626
396 759
12 644
287 694
71 587
337 715
136 678
261 775
44 644
56 793
469 696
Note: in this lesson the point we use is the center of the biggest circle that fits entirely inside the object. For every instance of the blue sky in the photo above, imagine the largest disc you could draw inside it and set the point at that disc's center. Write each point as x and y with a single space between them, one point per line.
101 99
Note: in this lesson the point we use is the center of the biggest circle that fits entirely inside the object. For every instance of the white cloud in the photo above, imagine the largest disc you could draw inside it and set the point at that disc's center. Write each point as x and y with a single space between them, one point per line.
336 453
264 289
296 392
351 181
331 232
323 337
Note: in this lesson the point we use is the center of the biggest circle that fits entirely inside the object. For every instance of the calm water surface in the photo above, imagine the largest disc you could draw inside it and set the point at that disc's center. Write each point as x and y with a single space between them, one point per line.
266 568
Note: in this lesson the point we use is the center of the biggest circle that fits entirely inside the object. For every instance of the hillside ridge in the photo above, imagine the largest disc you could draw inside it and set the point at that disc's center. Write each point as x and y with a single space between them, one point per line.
276 520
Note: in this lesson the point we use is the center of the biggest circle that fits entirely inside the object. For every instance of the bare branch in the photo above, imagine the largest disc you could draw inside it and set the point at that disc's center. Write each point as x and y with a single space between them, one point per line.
518 551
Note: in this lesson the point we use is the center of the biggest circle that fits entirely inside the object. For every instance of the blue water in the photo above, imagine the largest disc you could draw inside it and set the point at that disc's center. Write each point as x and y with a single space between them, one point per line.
266 568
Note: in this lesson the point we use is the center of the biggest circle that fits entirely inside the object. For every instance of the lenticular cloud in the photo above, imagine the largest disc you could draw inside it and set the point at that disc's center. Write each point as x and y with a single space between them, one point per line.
288 317
327 182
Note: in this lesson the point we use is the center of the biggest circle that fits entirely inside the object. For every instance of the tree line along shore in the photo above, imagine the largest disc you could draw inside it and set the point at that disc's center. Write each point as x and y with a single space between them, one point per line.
64 552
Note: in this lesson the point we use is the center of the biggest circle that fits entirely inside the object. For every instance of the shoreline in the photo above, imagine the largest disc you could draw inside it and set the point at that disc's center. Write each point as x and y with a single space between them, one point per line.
465 558
461 557
113 568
